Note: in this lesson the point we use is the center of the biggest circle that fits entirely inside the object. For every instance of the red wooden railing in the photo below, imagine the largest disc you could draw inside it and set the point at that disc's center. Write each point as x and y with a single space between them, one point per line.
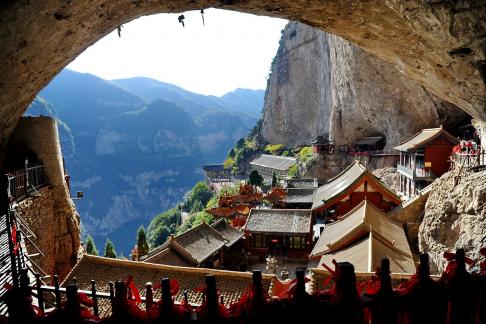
457 297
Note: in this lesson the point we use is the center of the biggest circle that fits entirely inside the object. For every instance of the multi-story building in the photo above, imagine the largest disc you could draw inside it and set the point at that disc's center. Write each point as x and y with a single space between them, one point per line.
424 157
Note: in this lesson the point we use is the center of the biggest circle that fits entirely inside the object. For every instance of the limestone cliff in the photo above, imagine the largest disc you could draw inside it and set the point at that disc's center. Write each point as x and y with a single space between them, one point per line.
322 84
455 216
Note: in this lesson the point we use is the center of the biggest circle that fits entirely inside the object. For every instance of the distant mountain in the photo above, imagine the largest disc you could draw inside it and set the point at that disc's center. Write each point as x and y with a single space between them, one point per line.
135 146
243 101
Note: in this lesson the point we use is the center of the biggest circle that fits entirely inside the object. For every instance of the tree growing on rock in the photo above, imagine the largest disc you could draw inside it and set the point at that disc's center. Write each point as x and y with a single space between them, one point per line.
274 179
255 178
142 244
109 250
90 246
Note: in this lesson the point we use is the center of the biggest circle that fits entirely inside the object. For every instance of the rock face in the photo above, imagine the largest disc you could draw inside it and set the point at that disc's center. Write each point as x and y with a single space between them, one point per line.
455 216
50 214
55 222
389 176
322 84
440 44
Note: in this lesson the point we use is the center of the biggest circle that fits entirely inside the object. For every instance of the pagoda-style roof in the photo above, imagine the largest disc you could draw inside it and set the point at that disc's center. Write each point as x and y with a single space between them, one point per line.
231 284
231 234
282 163
196 244
345 182
424 137
366 256
279 221
299 195
363 219
301 183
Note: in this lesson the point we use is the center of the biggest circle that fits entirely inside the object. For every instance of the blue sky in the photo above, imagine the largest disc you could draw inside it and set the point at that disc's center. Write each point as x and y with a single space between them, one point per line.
232 50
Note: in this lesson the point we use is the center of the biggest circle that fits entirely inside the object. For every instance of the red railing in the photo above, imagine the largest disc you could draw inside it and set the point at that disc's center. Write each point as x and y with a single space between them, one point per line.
457 297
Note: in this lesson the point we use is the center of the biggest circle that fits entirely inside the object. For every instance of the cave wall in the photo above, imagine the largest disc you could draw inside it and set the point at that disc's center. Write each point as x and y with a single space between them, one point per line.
439 44
50 214
321 84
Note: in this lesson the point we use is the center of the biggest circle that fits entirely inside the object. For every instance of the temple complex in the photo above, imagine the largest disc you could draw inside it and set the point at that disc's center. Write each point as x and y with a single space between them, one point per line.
424 157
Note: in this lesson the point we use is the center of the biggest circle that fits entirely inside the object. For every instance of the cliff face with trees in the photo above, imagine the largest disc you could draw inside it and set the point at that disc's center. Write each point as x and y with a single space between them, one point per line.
321 84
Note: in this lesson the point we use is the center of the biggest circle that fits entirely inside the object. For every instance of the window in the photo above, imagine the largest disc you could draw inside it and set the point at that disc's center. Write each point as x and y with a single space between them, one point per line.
297 242
258 241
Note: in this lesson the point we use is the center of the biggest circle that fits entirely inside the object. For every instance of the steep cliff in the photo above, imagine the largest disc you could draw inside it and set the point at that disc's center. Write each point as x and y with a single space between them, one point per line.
322 84
455 216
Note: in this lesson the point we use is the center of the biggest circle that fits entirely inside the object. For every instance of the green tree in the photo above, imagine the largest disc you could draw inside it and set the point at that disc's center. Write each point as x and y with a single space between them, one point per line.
274 148
90 246
293 171
160 227
255 178
200 192
232 153
143 247
229 162
109 250
196 206
274 179
240 143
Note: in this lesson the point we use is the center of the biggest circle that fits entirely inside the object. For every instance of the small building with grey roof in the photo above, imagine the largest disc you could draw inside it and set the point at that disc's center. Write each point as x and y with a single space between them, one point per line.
279 231
267 165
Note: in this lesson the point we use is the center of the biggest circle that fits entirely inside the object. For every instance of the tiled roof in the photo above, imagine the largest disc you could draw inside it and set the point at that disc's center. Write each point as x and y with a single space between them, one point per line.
301 183
366 256
170 256
214 167
282 163
231 234
423 137
231 284
357 223
344 181
300 195
198 243
278 221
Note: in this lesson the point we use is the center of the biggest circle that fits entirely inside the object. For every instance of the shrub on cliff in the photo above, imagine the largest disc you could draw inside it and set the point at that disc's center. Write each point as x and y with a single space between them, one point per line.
161 226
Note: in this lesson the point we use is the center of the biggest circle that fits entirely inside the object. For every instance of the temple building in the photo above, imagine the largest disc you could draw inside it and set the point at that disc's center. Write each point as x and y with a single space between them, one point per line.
298 198
349 188
279 232
216 172
231 285
365 236
322 145
424 157
202 246
267 165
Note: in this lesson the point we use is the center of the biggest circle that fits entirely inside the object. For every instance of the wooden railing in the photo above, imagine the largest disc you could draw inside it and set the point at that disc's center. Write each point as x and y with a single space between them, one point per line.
26 181
456 297
469 159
